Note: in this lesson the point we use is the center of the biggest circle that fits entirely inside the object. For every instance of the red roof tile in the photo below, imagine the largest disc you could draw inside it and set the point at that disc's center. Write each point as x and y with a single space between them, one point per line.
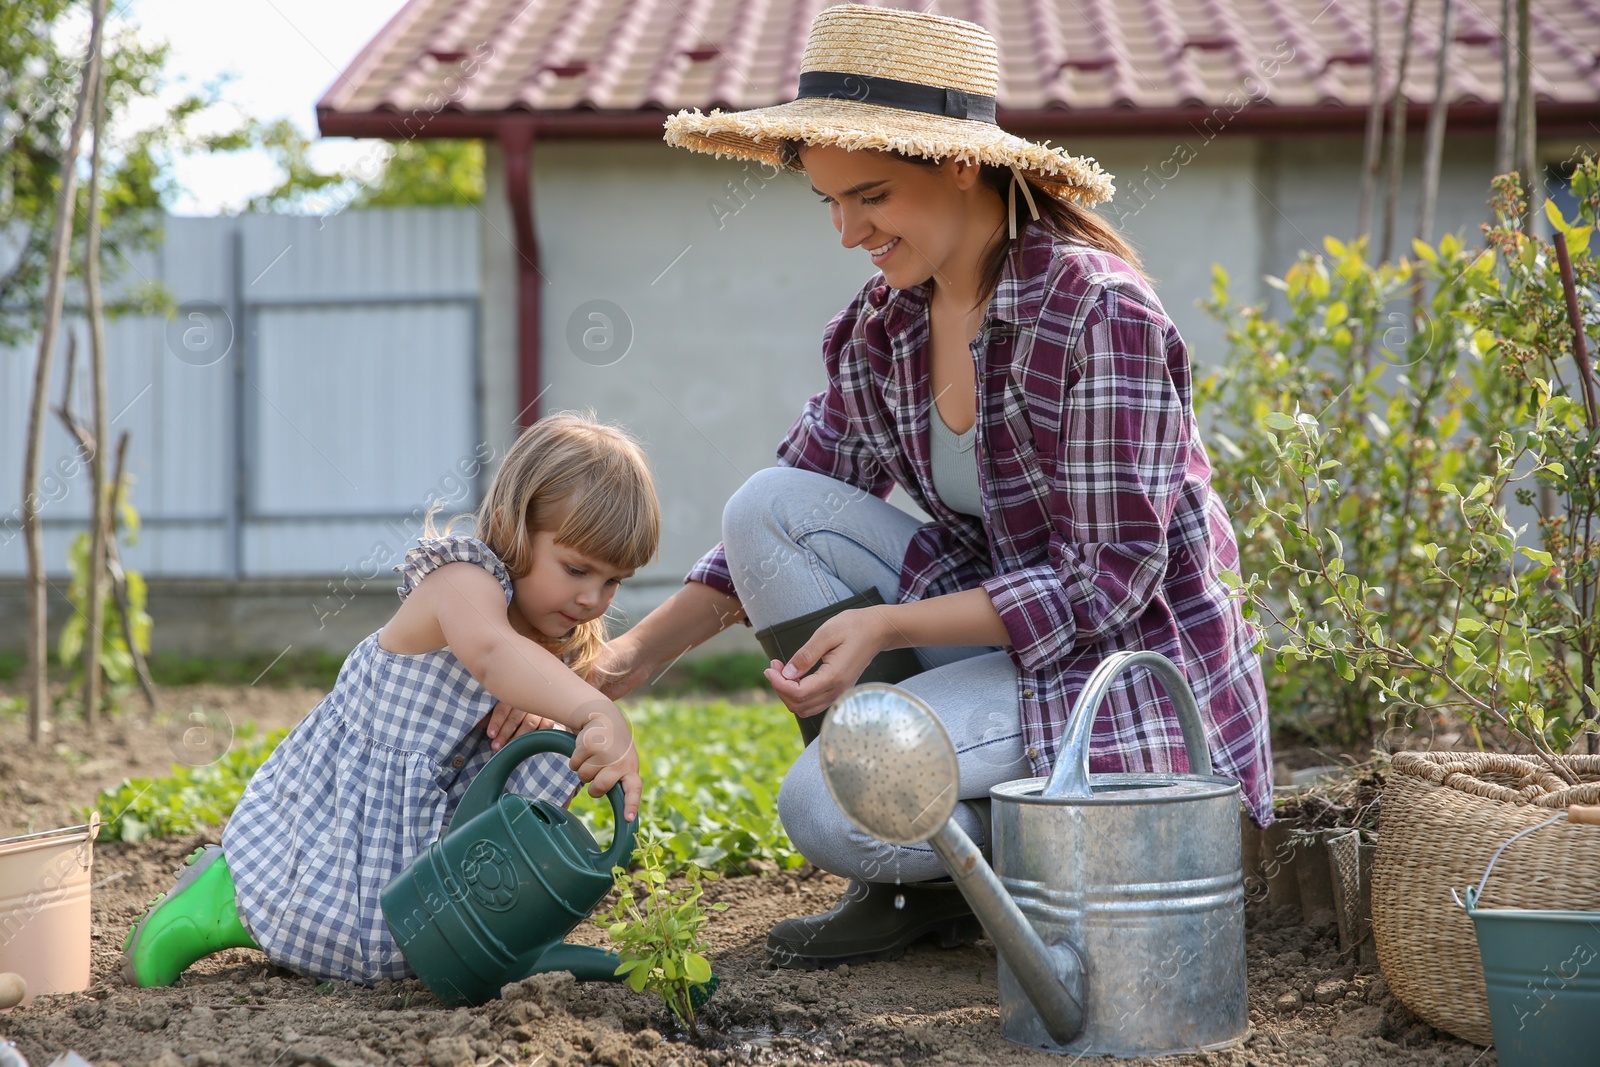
548 57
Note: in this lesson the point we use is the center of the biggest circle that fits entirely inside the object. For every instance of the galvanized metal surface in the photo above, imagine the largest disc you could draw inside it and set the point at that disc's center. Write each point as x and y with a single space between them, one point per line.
889 764
1143 874
1144 877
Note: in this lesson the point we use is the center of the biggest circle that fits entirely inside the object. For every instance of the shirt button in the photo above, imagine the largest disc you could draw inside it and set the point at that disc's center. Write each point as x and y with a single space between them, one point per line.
1033 753
458 762
1027 694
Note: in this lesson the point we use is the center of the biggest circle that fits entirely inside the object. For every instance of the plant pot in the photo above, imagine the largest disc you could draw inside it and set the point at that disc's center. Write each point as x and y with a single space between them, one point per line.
44 908
1443 816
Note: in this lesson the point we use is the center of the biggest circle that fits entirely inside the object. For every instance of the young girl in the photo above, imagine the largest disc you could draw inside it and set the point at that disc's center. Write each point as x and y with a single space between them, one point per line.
496 635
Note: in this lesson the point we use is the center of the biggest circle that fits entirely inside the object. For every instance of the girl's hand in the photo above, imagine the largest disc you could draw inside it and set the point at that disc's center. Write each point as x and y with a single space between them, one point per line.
605 755
844 645
619 670
506 722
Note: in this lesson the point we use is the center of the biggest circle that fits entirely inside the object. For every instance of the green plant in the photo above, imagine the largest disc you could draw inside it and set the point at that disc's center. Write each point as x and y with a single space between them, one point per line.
116 657
711 770
188 799
711 774
1461 611
725 672
657 929
1406 401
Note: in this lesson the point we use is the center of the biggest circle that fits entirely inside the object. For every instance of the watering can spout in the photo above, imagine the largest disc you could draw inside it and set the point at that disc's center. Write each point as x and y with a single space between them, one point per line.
1051 975
889 764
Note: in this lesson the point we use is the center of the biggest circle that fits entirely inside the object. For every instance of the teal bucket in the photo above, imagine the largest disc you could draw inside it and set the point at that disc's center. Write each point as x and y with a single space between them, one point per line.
1541 970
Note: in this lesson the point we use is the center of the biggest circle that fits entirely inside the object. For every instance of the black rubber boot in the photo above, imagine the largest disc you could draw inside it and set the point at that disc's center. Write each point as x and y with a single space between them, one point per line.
867 925
782 640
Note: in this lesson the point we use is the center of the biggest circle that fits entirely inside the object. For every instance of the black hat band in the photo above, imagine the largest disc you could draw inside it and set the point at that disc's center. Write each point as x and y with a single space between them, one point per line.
889 92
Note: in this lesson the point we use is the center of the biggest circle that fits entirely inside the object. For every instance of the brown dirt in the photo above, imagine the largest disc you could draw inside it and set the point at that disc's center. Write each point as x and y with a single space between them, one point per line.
1309 1006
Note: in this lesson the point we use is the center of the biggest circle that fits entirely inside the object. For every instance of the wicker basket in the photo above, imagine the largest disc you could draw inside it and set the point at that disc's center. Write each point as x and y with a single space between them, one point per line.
1443 815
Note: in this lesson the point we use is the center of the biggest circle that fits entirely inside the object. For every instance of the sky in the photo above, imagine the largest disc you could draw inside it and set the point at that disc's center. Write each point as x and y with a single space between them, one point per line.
282 55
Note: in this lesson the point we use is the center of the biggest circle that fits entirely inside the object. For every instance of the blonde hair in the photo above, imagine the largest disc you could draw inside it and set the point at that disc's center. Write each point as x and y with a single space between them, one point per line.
588 484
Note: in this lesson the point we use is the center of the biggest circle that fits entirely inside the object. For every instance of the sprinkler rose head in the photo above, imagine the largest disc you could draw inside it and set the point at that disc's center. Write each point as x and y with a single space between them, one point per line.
889 764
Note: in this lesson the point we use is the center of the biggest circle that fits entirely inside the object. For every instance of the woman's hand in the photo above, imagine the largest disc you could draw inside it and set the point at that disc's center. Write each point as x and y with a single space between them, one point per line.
620 668
505 722
844 645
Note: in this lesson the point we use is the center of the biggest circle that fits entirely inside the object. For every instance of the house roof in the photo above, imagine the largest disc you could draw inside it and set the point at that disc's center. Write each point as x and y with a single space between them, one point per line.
442 67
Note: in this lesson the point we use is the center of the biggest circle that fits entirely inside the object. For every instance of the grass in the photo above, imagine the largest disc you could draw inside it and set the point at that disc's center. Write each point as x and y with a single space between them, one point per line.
312 667
711 767
722 672
306 667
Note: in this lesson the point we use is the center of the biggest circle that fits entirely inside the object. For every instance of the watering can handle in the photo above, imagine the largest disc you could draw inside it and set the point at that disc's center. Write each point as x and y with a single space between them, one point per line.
1070 777
486 789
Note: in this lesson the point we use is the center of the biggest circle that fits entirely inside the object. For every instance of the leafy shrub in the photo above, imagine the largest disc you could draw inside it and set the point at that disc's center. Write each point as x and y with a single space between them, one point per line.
116 655
724 672
1380 544
313 667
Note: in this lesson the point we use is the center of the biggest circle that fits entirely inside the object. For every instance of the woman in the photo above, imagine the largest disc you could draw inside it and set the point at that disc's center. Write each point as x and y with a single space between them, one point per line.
1012 369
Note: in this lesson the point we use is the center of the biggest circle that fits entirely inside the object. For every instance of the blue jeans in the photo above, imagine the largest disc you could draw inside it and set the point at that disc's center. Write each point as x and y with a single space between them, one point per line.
797 541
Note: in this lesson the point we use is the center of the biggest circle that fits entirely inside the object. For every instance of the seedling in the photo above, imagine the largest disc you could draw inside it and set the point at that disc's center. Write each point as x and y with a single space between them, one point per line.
656 930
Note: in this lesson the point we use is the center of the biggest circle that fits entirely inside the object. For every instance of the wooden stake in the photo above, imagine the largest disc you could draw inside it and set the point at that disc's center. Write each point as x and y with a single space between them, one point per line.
95 593
55 297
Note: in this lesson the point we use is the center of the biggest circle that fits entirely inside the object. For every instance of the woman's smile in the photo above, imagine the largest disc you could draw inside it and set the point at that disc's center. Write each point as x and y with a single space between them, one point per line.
884 251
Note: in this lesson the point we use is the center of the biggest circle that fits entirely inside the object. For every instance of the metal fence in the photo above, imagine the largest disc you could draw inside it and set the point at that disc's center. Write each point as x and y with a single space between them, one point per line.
319 384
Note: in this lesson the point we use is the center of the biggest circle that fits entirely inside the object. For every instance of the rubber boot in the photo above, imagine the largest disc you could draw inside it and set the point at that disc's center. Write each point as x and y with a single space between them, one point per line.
782 640
197 917
875 921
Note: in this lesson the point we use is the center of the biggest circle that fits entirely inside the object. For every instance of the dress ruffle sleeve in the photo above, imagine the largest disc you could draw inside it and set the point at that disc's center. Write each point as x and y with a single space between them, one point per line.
429 555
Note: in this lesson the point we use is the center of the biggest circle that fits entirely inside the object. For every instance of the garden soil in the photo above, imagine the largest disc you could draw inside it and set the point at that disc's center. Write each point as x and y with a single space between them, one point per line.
1309 1004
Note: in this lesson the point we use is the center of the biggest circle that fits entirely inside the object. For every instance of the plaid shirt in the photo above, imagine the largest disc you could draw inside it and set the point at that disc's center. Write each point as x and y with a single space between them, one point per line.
1101 531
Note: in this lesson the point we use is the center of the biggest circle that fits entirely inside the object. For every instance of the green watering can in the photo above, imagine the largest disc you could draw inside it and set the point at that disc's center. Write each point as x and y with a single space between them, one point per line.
490 901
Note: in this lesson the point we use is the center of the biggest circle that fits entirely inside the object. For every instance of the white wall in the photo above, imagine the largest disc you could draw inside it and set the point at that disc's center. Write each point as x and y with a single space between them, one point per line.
726 316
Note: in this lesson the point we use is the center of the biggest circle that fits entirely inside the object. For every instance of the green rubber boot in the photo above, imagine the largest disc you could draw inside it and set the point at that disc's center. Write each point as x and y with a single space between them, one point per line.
197 917
782 640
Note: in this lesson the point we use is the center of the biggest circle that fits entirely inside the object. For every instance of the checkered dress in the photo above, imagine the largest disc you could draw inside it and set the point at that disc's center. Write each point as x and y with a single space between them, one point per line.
359 788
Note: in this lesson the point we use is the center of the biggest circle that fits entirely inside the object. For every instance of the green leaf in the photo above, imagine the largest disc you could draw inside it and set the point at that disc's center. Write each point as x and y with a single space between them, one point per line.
1553 212
696 968
1341 663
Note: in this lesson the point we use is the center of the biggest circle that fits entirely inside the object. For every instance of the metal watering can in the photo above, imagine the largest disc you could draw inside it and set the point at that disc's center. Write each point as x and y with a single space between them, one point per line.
1116 901
490 901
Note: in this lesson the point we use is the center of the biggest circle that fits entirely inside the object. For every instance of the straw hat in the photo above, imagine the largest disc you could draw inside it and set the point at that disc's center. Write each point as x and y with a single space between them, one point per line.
903 81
